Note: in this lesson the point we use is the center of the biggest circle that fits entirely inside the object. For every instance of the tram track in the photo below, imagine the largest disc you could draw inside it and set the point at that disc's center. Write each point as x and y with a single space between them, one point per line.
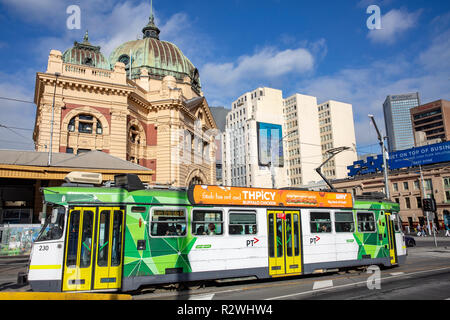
13 264
355 278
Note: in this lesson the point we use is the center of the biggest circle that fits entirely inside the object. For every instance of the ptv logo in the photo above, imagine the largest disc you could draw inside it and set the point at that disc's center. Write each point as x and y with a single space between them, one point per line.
314 240
251 243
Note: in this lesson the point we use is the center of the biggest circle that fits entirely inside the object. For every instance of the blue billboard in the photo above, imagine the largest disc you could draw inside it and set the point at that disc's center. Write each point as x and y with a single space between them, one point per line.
433 153
270 144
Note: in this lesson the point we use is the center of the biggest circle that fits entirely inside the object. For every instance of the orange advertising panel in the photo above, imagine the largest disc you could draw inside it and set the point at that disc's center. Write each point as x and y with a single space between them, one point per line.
217 195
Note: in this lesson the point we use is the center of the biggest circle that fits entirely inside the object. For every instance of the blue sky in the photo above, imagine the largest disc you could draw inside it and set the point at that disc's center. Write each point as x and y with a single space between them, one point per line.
320 48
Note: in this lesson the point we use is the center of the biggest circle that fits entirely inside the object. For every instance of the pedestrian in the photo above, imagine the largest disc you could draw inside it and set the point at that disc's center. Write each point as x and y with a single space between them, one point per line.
424 231
447 230
419 230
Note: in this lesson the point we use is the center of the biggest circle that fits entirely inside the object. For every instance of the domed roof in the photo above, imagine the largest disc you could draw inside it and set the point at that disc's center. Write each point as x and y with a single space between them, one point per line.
160 58
86 54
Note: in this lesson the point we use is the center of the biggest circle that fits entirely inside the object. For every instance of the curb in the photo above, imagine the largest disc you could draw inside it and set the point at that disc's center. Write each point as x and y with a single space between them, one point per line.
61 296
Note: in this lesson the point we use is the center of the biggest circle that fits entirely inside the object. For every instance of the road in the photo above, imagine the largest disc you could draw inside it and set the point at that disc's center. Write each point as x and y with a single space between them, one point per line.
426 275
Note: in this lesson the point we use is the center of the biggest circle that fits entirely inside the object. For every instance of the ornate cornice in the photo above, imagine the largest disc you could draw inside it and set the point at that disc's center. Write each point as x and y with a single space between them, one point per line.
84 84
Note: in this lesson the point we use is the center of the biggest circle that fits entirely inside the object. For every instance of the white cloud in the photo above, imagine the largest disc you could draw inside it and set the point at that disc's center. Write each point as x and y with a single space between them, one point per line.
366 87
227 80
393 24
437 57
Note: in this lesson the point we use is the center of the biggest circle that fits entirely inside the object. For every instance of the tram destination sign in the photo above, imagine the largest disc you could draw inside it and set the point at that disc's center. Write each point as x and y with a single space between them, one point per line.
235 196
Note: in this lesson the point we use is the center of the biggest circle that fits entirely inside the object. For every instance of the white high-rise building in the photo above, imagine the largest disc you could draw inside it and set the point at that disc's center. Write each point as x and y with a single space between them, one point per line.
337 130
302 143
253 151
271 142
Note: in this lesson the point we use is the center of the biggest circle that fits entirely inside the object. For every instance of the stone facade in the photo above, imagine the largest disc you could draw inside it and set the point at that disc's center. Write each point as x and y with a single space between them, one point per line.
149 120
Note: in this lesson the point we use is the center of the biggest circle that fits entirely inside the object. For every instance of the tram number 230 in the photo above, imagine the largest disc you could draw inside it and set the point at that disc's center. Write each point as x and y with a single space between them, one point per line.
43 248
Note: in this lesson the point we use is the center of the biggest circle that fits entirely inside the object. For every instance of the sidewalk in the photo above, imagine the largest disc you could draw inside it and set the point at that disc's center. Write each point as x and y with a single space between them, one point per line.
429 237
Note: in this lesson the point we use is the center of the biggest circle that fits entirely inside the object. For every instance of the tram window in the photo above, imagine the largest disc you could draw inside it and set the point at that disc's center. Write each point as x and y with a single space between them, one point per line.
271 237
103 239
138 209
288 235
397 222
320 222
296 236
344 222
242 223
116 249
72 239
168 223
53 226
366 222
86 239
207 223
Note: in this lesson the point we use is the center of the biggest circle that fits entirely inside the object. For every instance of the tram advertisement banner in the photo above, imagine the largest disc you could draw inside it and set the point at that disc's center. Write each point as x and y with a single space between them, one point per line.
217 195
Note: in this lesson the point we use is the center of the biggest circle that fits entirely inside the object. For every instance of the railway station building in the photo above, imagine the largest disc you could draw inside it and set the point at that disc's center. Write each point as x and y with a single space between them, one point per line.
144 104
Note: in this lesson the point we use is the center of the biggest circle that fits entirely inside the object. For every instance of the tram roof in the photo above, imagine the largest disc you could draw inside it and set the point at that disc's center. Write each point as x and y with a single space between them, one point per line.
92 195
211 195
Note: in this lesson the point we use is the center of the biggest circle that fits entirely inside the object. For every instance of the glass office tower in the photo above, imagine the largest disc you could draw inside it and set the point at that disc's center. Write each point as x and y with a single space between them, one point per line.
397 119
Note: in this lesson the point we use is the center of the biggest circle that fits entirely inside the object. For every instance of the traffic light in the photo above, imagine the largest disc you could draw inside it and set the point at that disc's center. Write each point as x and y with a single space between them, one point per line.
429 205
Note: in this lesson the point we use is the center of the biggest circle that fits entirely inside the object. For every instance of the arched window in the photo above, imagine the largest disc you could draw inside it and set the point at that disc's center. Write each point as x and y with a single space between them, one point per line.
195 180
85 123
133 135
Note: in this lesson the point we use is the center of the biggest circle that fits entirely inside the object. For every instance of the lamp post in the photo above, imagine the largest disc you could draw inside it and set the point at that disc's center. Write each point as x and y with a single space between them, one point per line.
383 151
57 74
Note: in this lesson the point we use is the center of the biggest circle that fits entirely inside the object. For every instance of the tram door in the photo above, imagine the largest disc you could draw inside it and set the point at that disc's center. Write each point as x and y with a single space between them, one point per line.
284 242
391 237
93 257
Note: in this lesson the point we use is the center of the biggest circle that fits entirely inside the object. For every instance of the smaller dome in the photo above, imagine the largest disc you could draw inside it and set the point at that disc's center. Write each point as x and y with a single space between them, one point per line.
86 54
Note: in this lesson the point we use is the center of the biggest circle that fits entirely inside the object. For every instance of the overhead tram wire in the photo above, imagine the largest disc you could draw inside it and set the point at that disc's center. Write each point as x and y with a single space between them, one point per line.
16 100
10 129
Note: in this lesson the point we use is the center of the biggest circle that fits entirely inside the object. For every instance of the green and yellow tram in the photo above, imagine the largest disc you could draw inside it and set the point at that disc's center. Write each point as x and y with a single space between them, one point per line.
124 237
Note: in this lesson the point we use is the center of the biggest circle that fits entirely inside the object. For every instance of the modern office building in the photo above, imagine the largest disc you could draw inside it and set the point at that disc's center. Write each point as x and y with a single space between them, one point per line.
397 119
337 129
433 119
293 134
302 142
252 152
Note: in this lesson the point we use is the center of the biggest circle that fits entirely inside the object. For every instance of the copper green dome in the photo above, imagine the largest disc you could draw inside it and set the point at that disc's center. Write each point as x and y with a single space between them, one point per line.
160 58
86 54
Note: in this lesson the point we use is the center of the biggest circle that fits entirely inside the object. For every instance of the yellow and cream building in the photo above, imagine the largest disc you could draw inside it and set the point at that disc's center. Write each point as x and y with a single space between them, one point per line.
144 104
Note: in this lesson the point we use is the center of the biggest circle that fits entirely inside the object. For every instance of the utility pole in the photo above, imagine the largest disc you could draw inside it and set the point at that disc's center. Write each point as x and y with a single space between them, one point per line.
57 74
383 151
